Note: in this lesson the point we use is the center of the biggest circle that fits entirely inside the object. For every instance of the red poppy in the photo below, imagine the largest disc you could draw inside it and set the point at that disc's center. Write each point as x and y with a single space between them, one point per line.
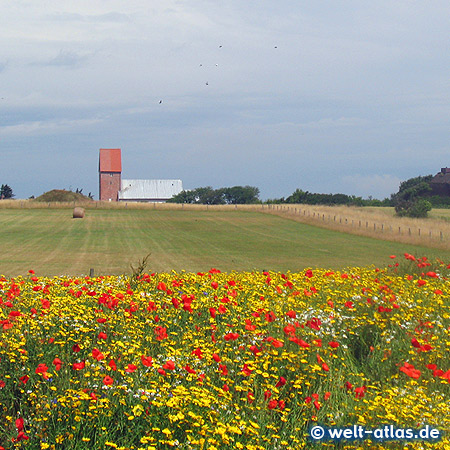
246 371
161 333
212 312
224 369
410 370
231 336
360 391
76 348
291 314
108 381
255 350
41 368
131 368
333 344
272 404
24 379
169 365
198 352
281 382
97 354
314 323
147 361
189 369
249 326
102 335
276 343
112 364
21 436
267 395
161 286
216 357
79 366
225 387
45 303
58 363
214 284
19 424
289 329
327 395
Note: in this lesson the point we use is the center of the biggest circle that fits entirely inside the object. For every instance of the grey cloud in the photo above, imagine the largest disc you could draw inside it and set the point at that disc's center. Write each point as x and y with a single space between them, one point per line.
112 17
65 58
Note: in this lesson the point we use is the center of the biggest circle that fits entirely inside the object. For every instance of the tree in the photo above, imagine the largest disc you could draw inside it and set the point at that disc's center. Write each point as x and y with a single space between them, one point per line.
6 191
241 195
411 198
209 196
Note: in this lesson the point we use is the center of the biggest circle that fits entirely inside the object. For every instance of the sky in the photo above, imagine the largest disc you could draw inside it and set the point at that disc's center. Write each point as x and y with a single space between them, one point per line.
337 96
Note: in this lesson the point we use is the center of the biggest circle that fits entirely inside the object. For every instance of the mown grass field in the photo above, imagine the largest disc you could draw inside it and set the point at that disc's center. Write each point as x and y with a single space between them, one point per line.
51 242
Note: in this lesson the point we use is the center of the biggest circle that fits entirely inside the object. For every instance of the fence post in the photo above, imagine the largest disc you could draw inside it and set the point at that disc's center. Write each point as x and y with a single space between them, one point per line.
440 233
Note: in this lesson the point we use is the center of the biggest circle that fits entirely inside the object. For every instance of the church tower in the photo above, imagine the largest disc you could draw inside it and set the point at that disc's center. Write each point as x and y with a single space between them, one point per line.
110 171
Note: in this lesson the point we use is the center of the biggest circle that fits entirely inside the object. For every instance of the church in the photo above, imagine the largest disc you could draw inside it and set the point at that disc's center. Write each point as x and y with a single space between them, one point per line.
114 189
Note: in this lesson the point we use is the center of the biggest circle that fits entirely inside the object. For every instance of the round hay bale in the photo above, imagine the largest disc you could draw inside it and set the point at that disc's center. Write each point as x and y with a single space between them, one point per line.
78 213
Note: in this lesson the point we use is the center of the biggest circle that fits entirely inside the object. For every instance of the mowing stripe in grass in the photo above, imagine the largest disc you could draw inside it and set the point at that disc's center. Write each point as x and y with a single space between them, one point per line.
51 242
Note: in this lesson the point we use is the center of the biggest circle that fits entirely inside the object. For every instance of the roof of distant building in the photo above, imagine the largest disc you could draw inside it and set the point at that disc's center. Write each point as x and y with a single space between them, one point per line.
110 160
149 189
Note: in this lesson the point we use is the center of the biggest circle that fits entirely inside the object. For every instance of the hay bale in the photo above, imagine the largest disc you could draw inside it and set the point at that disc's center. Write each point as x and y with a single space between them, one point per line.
78 213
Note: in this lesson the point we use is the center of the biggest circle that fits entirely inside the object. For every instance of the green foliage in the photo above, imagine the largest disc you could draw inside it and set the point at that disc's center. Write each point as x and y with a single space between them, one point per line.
6 192
308 198
236 195
410 200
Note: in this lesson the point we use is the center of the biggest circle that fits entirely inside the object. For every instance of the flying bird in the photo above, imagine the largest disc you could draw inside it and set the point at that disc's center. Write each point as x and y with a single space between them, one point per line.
160 101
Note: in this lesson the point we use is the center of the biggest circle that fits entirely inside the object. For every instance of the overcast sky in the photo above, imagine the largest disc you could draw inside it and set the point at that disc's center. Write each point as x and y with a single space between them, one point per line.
325 96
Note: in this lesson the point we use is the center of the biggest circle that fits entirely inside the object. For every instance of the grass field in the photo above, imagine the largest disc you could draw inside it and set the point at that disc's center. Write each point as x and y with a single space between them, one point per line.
51 242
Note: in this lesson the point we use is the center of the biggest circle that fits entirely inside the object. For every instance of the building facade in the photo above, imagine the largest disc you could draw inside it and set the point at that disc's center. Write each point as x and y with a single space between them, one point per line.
113 188
110 172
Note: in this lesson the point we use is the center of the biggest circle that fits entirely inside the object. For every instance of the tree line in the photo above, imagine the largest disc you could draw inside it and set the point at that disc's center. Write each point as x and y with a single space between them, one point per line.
413 199
236 195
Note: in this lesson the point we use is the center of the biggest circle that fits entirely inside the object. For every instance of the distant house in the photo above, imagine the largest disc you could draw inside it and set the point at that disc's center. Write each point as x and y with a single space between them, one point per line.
149 190
113 188
110 171
440 183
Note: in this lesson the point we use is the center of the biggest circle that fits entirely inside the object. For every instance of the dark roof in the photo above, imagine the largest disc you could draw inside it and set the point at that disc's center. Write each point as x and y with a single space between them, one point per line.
442 177
110 160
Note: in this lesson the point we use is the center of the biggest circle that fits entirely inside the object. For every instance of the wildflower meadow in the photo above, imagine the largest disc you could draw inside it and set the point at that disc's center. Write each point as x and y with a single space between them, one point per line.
213 360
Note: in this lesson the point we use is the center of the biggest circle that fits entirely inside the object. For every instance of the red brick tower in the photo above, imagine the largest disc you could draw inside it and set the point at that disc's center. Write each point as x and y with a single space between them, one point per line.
110 170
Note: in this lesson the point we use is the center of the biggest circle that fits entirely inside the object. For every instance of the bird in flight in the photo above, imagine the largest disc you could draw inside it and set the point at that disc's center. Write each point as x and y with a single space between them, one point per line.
160 101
